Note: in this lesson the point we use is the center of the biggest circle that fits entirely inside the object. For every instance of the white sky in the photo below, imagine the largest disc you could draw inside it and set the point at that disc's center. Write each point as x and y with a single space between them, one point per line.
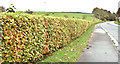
62 5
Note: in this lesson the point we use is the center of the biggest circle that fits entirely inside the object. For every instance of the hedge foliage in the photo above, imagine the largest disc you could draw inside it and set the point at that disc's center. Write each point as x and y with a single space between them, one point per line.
29 38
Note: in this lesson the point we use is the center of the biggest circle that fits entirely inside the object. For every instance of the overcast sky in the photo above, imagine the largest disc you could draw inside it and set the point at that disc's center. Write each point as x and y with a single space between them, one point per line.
62 5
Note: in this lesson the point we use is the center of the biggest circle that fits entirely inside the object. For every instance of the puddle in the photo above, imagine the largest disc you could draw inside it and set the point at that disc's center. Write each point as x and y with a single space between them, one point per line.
99 31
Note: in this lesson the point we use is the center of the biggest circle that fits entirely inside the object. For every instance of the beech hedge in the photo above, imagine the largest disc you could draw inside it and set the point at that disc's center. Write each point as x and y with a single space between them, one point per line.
30 38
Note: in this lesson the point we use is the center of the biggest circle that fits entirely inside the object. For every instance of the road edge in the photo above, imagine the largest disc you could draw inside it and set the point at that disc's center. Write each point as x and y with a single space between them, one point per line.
115 43
114 23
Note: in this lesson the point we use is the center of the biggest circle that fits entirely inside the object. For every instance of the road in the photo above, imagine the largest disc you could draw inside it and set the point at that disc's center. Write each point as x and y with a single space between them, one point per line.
101 48
113 29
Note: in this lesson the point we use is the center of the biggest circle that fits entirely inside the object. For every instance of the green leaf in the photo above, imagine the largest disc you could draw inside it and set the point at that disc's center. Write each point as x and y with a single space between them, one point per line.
6 37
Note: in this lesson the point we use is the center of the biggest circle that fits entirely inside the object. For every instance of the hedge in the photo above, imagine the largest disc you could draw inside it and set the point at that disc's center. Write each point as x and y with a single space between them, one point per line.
30 38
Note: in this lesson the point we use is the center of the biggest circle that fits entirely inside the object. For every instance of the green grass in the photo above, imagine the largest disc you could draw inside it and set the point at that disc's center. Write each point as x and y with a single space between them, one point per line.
88 17
72 51
117 23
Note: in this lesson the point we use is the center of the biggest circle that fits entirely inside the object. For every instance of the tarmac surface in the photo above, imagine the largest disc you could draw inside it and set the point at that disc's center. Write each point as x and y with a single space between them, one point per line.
113 29
101 48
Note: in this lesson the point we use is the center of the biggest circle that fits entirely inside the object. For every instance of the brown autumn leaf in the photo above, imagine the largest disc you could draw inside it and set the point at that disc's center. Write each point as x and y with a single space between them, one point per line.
87 47
75 43
50 54
68 57
60 59
83 51
75 50
71 49
87 41
65 54
76 59
80 47
65 58
56 58
67 51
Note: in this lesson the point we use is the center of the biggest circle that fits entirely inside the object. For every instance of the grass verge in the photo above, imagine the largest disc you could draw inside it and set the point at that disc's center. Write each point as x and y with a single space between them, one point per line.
117 23
72 51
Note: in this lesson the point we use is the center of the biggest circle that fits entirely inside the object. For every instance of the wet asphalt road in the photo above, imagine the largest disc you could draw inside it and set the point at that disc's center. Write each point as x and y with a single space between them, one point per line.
113 29
101 48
